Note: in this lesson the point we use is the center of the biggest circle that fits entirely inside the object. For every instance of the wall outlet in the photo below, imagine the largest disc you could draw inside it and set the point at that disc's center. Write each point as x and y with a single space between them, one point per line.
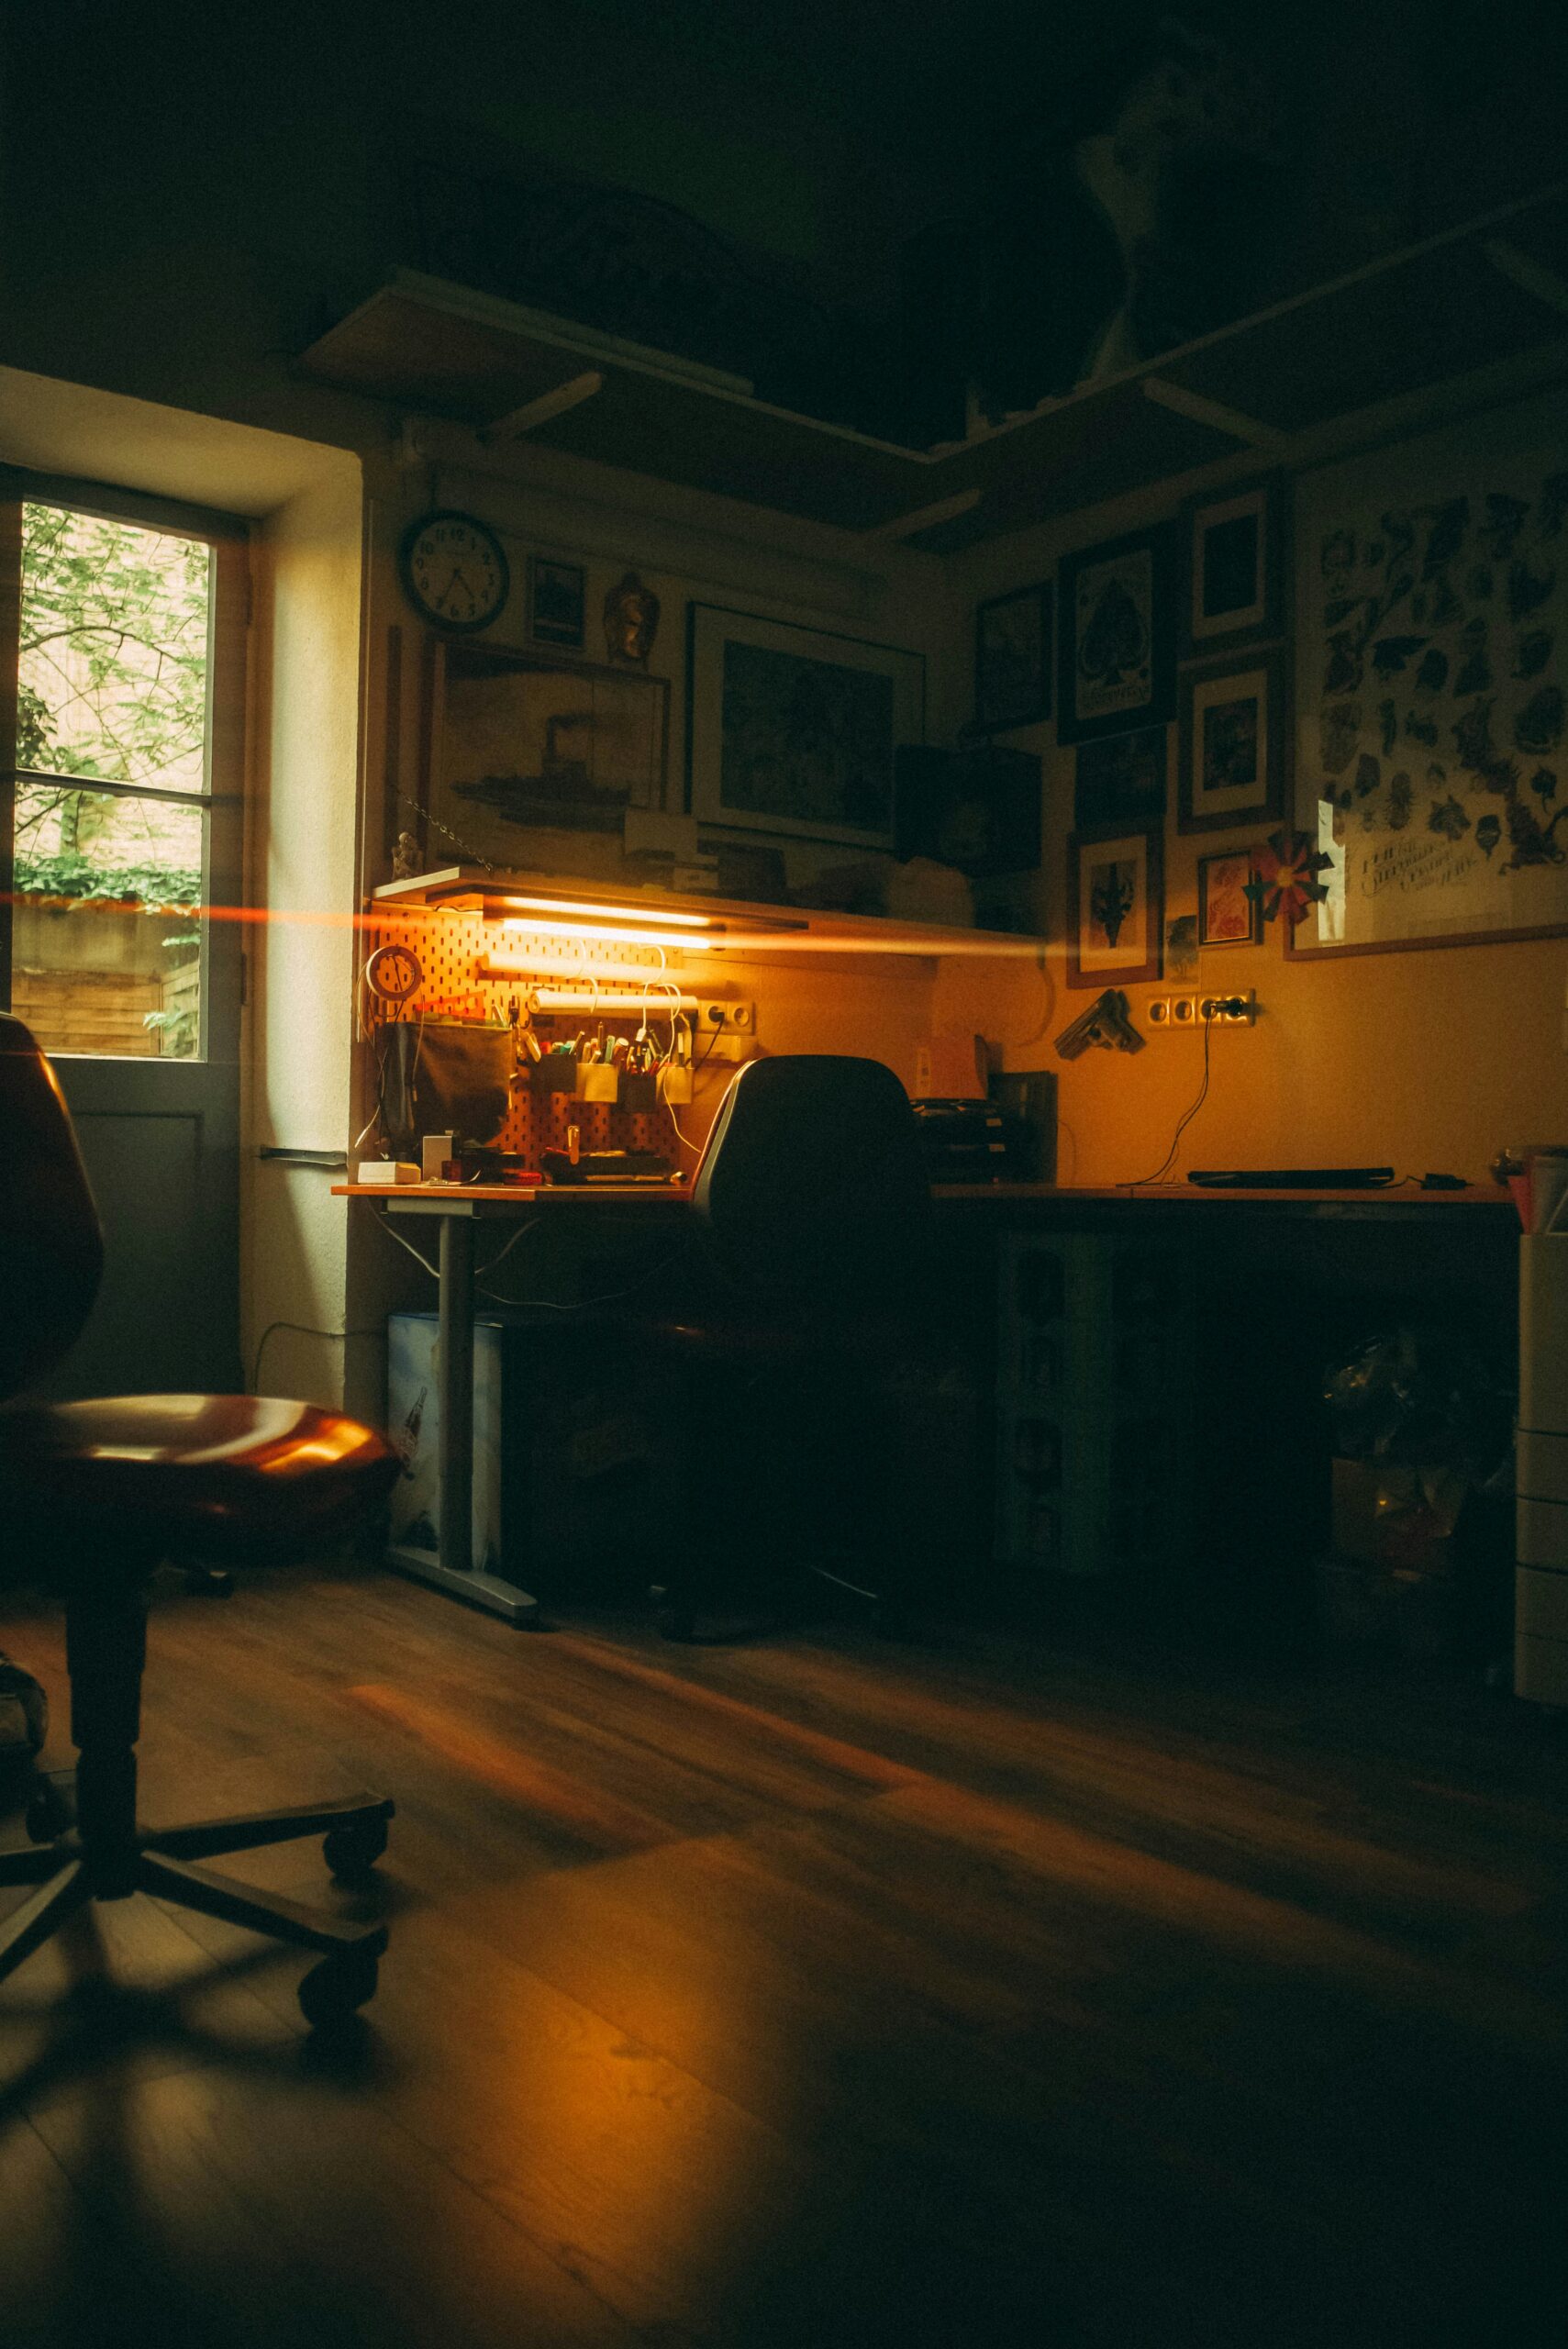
1183 1011
1221 1010
718 1014
1160 1011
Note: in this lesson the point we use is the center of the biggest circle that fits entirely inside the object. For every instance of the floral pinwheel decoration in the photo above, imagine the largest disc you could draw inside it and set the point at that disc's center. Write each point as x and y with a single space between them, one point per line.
1284 876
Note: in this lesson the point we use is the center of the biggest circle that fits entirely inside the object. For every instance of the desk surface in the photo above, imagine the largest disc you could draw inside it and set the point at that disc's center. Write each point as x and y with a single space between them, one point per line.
436 1198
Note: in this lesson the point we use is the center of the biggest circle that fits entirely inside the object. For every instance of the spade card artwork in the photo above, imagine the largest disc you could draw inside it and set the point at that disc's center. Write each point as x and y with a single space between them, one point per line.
1116 659
1431 759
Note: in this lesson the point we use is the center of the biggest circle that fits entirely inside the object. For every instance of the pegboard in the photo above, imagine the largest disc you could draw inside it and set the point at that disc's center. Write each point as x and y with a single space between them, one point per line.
449 946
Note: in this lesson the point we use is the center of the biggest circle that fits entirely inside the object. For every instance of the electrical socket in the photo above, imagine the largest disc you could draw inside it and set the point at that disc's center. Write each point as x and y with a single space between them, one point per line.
718 1013
1183 1011
1214 1010
1160 1011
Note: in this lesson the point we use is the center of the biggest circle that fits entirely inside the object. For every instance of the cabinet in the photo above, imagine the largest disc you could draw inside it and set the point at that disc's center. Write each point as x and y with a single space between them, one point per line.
1094 1404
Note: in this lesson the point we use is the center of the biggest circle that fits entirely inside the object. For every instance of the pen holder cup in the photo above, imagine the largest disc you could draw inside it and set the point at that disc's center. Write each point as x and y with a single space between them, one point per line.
557 1073
596 1082
637 1090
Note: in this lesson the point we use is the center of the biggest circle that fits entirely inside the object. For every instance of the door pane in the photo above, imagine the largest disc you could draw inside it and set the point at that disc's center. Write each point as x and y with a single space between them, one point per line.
106 941
113 650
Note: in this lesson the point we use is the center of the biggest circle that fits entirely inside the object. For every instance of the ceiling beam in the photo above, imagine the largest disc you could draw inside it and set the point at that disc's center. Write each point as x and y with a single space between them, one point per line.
1530 276
519 420
1242 427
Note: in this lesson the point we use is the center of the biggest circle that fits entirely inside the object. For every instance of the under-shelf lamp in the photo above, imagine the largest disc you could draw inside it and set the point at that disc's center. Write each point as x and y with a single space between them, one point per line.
536 916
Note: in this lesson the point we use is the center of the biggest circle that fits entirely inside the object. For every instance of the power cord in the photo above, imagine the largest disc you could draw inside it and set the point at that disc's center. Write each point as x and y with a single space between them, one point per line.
304 1330
1183 1122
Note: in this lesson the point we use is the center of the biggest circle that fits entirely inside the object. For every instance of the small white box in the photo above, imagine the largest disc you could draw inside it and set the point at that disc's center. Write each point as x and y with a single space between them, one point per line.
387 1170
1541 1533
1540 1603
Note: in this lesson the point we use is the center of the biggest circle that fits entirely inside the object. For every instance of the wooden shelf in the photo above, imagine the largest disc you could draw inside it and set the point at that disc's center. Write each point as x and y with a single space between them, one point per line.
758 930
1490 291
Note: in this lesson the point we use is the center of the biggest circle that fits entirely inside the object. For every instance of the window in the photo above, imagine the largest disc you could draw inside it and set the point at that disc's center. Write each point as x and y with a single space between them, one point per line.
113 802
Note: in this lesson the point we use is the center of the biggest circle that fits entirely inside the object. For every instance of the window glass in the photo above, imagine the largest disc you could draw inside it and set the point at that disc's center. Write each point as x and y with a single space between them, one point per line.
106 948
112 714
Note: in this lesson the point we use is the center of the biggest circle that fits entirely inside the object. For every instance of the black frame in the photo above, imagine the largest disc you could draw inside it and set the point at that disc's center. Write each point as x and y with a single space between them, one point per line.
1270 807
1158 708
548 635
1270 491
990 720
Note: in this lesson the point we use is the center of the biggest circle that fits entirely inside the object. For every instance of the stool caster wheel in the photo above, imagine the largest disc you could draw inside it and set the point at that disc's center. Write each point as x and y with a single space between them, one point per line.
351 1851
51 1809
336 1989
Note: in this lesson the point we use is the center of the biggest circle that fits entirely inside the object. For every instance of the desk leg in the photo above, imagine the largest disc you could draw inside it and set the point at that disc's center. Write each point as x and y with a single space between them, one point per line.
454 1569
455 1377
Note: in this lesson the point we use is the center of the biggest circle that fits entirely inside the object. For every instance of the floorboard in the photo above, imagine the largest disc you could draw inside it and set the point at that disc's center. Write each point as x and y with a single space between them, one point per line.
815 1991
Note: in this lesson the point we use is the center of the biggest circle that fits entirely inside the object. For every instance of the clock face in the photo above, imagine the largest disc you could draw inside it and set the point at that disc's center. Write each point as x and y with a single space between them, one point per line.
455 571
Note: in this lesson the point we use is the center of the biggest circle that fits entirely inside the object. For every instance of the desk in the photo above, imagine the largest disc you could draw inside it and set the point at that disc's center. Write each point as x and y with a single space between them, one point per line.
1426 1217
456 1208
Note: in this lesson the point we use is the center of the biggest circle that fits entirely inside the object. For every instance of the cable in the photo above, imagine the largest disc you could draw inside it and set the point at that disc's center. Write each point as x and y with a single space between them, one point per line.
1183 1123
304 1330
417 1254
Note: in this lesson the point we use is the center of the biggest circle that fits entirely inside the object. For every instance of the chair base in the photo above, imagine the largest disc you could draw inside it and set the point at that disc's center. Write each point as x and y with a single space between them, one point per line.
66 1874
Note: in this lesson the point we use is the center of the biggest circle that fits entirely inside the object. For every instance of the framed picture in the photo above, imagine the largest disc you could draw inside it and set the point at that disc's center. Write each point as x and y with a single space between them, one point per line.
1013 653
1232 739
523 744
793 730
1225 915
1116 624
1115 909
557 602
1431 607
1235 565
1121 780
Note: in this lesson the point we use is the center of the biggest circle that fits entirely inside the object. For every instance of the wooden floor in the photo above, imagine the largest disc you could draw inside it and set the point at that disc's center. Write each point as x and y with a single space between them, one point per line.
813 1993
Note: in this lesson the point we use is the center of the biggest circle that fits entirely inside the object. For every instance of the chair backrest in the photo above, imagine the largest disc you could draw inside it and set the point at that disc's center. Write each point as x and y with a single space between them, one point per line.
813 1187
51 1248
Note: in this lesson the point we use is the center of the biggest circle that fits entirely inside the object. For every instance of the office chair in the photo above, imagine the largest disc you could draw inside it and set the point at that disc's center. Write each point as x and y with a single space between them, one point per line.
813 1209
93 1496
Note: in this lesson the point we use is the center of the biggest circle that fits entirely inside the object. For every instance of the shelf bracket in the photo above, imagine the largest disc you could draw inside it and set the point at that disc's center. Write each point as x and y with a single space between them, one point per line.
518 421
1212 412
924 518
1530 276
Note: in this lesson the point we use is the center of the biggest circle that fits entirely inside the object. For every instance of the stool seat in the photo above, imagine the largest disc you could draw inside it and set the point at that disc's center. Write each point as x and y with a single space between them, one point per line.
229 1476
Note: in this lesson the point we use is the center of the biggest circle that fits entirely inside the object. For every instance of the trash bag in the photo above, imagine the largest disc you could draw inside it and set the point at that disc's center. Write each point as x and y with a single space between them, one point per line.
1420 1398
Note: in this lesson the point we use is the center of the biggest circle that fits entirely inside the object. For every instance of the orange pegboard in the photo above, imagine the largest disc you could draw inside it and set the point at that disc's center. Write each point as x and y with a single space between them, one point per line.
448 947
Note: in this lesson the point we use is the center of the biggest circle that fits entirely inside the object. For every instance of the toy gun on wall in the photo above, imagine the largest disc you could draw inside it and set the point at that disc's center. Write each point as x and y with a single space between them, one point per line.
1104 1022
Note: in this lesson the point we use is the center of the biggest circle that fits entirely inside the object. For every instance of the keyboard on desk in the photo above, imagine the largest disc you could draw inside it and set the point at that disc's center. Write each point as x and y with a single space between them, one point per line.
606 1166
1295 1178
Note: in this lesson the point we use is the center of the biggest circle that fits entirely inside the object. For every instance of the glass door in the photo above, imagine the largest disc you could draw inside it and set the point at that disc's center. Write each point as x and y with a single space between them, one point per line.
122 642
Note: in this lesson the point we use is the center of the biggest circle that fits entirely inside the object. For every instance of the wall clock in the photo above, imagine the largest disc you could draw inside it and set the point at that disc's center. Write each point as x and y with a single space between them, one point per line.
454 569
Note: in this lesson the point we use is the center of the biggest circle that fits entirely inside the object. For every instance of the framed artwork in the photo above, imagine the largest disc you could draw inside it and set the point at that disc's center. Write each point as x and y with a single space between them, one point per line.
1115 909
1013 652
521 743
1232 738
557 602
1121 780
1235 567
793 730
1432 752
1116 662
1227 916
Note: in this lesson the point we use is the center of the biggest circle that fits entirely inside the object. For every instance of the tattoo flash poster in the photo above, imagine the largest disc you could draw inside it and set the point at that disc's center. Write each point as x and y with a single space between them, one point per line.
1433 615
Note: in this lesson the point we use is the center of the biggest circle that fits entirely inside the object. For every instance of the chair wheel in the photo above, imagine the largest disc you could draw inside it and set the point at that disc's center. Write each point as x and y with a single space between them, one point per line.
333 1990
352 1852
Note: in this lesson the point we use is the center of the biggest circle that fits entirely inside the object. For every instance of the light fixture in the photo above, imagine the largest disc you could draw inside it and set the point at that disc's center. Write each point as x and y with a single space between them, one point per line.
610 933
585 909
